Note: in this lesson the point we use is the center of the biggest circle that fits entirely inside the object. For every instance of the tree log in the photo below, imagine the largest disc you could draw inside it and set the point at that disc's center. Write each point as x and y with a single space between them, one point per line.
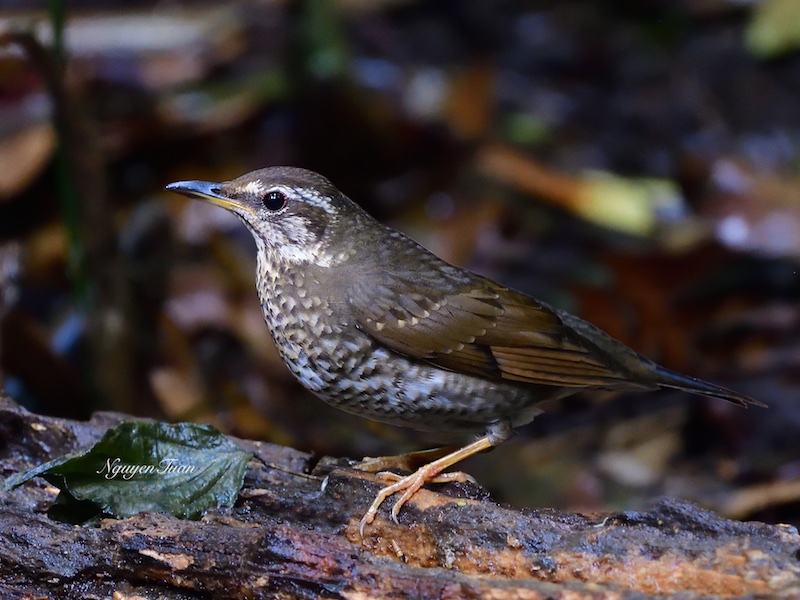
290 536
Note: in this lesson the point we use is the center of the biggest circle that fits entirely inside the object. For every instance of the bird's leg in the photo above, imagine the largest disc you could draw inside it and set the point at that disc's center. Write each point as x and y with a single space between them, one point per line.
410 484
410 461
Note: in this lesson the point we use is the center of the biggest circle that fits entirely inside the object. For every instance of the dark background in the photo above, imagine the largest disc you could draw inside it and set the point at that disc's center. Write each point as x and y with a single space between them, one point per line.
637 163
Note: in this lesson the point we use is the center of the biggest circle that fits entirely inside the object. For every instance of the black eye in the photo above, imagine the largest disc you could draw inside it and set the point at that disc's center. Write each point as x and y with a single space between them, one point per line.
275 200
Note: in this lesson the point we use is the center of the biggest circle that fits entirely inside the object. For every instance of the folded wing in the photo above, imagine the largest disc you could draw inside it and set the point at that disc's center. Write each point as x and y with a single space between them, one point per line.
480 328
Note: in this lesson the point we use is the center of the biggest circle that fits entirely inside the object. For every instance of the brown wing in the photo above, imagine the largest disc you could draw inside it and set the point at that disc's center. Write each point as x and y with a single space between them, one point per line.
483 329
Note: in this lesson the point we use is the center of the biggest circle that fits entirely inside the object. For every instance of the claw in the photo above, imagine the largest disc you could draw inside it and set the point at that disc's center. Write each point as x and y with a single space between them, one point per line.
389 476
411 484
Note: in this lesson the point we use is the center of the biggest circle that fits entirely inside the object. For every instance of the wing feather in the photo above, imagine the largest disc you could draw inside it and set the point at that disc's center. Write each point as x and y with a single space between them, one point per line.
477 327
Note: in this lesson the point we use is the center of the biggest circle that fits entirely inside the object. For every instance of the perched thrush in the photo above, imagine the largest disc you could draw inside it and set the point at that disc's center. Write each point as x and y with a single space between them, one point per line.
376 325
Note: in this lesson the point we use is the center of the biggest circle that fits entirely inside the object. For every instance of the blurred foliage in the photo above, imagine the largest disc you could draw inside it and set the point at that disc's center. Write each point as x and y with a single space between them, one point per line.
67 190
774 29
632 162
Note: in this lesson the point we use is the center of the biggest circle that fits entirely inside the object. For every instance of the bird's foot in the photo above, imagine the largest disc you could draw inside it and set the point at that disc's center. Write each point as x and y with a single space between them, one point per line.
406 486
451 477
410 484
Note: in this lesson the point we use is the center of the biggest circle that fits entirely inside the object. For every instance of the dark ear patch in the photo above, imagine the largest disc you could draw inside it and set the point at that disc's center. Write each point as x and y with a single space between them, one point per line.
317 220
301 223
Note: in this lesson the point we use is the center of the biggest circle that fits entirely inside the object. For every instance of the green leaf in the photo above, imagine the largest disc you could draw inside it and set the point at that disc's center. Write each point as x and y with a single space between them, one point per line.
182 470
75 512
18 479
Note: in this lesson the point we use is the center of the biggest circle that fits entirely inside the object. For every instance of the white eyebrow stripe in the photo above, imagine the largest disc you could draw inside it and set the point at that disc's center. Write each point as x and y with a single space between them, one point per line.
309 196
254 187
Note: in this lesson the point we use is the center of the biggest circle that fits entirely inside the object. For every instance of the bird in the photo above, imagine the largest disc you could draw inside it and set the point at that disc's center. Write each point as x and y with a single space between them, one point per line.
374 324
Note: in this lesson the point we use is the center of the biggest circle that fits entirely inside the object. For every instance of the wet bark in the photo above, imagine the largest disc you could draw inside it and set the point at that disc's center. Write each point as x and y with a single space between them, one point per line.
288 536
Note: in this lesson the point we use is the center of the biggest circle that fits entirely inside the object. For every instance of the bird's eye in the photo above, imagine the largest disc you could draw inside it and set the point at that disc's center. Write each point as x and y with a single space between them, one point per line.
275 200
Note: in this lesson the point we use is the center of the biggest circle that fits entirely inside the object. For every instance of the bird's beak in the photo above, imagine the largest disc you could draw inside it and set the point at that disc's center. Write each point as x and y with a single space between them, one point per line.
205 190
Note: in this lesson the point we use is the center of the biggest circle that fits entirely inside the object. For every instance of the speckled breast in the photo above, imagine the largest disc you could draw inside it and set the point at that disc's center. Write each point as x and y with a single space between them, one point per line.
346 368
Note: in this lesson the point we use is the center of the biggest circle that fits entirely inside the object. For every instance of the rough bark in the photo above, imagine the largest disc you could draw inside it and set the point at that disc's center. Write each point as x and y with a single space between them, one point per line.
289 536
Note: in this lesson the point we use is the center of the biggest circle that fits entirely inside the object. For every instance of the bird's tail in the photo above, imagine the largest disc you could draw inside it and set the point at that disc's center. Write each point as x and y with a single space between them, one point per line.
671 379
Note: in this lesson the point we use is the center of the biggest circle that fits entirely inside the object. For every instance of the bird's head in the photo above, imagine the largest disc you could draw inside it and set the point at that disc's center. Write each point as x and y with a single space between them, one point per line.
298 215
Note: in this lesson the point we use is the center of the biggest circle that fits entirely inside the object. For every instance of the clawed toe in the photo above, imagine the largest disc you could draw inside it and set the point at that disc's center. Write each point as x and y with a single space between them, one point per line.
410 484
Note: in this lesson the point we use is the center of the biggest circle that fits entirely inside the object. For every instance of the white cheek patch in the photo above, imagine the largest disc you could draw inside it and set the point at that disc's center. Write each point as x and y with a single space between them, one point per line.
295 229
289 238
289 241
